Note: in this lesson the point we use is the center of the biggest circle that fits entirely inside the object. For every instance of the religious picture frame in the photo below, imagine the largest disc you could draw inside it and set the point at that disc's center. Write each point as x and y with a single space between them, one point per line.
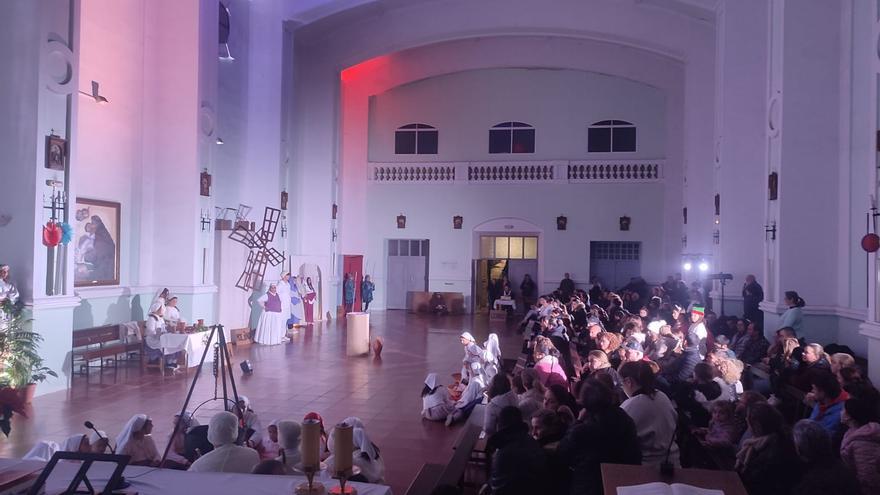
773 186
284 200
97 230
625 222
561 222
457 222
333 211
56 152
684 215
205 184
401 221
717 205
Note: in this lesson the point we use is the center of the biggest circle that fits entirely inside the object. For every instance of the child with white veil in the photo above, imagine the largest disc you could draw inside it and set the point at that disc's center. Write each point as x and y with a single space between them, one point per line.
436 404
491 357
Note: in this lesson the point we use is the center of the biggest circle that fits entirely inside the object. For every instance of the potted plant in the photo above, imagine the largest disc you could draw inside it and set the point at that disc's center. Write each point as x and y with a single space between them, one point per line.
22 365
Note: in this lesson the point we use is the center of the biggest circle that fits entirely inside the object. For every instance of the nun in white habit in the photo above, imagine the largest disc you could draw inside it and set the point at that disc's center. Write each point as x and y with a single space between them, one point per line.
491 357
250 421
136 440
365 454
472 363
472 395
289 434
45 449
436 404
227 457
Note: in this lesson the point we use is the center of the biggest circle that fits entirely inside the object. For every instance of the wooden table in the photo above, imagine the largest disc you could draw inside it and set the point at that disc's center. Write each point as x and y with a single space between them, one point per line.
615 475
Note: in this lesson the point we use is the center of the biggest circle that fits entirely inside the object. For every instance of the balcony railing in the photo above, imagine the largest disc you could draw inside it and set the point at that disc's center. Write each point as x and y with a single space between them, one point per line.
576 172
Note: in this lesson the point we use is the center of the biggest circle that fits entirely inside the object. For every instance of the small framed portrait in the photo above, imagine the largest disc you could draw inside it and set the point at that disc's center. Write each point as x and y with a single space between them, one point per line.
283 200
205 184
684 215
56 152
457 221
773 186
401 221
625 222
717 204
561 222
333 211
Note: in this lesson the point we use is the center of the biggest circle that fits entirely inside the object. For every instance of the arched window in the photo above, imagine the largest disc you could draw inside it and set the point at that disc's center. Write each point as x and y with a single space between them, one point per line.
415 139
611 136
512 137
224 29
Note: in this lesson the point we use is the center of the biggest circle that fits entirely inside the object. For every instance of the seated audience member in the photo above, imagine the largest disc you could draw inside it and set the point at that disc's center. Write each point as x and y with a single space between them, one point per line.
323 442
633 351
721 437
746 400
682 369
609 343
813 358
548 365
559 400
604 433
756 346
227 457
829 399
731 372
821 472
270 466
519 464
840 360
530 401
500 396
99 442
860 448
722 345
365 455
548 429
289 433
652 412
269 446
695 397
45 449
740 338
709 387
177 455
252 429
851 378
436 404
766 462
136 441
598 363
472 395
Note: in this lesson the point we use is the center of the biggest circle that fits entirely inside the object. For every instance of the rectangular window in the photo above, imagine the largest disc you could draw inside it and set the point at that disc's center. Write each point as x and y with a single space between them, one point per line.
501 247
624 139
516 248
405 142
487 247
499 141
427 142
524 141
599 140
530 248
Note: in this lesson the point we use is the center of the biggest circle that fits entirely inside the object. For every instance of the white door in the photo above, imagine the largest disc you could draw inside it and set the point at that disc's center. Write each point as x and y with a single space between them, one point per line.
398 282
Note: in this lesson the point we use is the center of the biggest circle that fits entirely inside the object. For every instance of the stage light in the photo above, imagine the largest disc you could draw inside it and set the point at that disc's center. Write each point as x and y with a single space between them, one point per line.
687 266
704 267
246 367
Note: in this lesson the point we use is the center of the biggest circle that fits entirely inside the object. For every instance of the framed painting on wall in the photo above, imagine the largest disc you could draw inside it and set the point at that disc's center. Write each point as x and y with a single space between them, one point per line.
96 242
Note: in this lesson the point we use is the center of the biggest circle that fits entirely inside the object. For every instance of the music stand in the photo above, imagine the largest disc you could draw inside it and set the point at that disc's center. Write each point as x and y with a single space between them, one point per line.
87 460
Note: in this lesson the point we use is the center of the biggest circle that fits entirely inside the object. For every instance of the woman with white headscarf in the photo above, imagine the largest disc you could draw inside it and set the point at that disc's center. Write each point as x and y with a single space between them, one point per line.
491 356
153 330
272 327
250 422
289 434
365 454
472 363
436 404
472 395
135 440
227 457
44 450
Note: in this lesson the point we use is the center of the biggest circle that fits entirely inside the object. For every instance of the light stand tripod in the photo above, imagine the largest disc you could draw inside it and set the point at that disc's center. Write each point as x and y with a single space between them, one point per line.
222 367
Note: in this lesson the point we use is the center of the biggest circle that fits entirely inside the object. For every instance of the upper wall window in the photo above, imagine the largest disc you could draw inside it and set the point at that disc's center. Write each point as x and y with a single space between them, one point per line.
512 137
611 136
415 139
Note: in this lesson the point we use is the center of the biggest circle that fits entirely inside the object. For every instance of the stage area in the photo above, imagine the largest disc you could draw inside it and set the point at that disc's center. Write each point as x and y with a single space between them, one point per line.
310 374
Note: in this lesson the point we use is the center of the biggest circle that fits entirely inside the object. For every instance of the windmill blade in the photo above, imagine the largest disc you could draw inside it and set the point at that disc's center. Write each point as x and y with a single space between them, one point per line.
245 281
270 223
242 235
274 257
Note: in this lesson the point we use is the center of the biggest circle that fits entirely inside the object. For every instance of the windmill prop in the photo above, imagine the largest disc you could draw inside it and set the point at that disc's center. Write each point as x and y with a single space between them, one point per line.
261 254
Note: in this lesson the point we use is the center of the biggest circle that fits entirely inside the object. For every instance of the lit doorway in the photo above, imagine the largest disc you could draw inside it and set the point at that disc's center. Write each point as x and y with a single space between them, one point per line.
507 256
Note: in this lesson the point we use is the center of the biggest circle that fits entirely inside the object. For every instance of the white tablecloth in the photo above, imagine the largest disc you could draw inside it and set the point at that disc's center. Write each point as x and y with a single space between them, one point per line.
146 481
193 344
505 302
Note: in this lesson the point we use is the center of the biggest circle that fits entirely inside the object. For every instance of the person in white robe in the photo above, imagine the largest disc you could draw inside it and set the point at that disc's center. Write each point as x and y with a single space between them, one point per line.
161 297
491 356
436 404
250 421
172 314
153 330
227 457
472 395
272 327
297 305
472 363
289 434
135 440
269 446
45 449
8 295
365 454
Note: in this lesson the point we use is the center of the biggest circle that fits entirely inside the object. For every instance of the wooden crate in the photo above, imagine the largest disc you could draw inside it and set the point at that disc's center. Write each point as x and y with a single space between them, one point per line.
241 337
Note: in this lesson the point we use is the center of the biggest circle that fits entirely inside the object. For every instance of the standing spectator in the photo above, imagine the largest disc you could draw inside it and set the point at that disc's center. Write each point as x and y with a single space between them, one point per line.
566 287
752 294
527 290
348 293
367 288
794 315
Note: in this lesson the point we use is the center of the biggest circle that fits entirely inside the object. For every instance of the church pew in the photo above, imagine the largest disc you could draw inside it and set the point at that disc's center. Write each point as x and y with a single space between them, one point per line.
464 446
98 343
426 479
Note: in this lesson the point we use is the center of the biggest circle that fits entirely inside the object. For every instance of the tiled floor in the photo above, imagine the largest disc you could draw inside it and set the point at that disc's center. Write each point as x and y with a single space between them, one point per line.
310 374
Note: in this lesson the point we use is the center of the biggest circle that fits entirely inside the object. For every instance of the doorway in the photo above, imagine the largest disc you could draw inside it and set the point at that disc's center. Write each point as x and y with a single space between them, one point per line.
407 264
615 263
353 264
509 255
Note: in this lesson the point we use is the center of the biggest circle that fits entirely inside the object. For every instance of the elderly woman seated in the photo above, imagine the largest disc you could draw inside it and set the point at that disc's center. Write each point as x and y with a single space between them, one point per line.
136 441
227 457
289 433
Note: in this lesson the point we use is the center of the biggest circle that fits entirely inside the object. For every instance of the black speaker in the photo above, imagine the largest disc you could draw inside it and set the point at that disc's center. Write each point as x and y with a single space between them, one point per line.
246 367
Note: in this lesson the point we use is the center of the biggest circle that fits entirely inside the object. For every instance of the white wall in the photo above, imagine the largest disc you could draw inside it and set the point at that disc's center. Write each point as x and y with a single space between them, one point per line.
560 104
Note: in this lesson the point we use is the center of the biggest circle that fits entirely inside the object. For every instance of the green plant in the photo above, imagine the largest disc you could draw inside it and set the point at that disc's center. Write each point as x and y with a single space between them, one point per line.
21 362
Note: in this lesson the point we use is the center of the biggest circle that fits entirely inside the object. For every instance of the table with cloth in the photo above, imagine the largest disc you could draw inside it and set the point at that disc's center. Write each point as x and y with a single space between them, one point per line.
192 344
147 481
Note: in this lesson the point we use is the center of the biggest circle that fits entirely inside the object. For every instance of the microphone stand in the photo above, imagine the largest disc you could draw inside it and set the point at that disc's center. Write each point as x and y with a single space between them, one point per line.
122 483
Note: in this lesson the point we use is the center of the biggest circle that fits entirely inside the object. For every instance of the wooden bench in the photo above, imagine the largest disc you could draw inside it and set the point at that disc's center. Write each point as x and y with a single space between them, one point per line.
98 343
454 471
426 480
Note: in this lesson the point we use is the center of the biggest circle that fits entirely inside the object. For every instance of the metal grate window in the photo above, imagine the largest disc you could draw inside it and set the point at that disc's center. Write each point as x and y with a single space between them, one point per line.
407 247
613 250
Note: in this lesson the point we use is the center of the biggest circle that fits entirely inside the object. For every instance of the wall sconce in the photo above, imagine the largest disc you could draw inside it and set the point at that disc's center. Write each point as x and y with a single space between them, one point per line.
770 229
219 141
561 222
457 221
625 222
401 221
96 94
684 215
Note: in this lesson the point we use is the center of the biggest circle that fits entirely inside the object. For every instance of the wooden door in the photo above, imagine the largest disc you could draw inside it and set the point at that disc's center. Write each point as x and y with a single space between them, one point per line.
353 264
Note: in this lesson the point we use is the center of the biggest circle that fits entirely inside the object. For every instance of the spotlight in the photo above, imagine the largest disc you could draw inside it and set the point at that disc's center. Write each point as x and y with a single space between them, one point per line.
704 267
219 141
246 367
687 266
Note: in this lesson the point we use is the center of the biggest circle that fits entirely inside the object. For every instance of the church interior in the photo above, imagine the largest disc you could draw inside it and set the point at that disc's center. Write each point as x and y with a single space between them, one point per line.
260 224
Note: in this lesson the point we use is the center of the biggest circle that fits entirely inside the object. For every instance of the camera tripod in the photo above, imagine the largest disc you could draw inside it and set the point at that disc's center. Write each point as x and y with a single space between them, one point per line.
222 367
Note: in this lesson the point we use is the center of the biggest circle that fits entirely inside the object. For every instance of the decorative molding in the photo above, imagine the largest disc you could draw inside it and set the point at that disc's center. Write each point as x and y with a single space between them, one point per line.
510 172
870 329
630 171
813 310
412 172
53 302
116 291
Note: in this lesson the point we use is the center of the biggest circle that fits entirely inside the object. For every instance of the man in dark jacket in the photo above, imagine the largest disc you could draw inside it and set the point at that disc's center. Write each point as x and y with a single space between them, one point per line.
519 465
752 294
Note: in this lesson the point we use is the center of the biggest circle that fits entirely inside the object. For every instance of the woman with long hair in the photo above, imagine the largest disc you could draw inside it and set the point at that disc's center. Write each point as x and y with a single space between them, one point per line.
794 315
652 412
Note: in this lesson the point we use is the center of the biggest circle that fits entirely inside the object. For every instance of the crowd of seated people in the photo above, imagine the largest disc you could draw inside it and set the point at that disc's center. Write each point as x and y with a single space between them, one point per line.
649 376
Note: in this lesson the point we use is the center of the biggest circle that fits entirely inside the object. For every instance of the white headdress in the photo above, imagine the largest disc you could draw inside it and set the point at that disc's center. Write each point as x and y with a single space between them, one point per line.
134 425
431 381
223 429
